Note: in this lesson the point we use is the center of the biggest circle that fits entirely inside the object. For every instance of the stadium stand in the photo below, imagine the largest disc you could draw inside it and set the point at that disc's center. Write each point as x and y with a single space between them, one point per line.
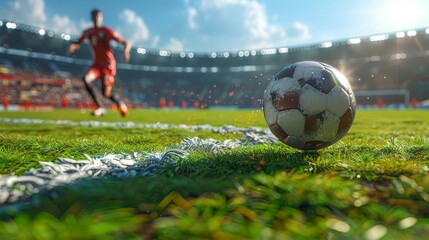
34 68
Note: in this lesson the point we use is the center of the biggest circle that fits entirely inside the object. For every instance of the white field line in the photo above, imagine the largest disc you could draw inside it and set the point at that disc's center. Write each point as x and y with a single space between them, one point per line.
15 189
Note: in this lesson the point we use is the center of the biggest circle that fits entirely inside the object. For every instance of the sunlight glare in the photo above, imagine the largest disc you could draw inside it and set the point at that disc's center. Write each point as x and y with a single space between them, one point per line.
401 14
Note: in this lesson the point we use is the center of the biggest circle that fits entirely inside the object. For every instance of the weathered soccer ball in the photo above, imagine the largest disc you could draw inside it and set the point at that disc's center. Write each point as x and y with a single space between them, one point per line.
309 105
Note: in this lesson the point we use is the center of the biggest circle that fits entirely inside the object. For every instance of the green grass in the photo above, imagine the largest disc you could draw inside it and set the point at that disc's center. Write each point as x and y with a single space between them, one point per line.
373 184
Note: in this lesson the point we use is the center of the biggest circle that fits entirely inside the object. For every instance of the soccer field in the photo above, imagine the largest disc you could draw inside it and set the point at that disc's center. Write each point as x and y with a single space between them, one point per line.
226 182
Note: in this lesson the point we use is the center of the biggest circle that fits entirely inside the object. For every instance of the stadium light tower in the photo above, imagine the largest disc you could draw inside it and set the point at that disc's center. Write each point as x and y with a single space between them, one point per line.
164 53
380 37
283 50
411 33
326 45
141 50
352 41
400 34
268 51
65 36
11 25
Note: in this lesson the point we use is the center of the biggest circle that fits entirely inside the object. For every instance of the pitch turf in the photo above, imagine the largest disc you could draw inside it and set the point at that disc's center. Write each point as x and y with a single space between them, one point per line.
373 184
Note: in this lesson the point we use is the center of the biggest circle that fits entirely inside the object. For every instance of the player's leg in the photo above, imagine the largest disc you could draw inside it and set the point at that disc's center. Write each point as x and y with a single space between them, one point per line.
91 75
108 83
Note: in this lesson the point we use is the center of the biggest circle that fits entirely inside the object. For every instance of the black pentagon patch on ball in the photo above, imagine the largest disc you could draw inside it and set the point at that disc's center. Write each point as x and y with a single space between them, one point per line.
302 82
323 83
289 100
286 72
279 132
274 97
337 81
313 122
346 122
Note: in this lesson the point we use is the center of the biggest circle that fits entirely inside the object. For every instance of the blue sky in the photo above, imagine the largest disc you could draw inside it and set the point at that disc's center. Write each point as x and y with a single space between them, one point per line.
224 25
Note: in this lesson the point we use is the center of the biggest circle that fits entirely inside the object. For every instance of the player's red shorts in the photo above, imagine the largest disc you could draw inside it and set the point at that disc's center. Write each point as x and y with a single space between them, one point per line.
107 75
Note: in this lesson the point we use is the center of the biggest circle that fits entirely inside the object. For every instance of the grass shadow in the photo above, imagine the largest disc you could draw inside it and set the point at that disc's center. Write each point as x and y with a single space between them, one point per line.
245 161
200 173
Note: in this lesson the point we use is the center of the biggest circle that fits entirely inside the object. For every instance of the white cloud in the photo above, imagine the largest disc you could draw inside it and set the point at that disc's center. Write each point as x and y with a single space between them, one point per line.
244 21
299 31
208 25
84 24
155 41
192 14
32 12
174 45
63 24
133 27
26 11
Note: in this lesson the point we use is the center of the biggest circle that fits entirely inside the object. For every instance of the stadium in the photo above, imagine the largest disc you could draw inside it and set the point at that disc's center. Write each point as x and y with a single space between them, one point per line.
195 158
387 69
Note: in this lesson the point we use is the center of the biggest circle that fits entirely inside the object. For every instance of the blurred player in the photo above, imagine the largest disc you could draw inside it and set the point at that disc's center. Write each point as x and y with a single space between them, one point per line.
104 65
5 103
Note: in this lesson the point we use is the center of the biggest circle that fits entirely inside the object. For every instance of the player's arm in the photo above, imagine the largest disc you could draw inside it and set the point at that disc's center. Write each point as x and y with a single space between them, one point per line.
126 44
74 46
127 48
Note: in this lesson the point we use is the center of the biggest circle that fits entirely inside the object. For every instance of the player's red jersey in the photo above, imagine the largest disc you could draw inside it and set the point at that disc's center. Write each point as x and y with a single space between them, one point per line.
99 39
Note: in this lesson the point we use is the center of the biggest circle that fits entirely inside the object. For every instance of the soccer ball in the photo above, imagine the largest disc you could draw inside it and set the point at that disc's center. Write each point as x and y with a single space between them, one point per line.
309 105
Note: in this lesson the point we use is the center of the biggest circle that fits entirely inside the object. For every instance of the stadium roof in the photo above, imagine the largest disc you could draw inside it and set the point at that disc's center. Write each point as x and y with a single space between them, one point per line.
226 54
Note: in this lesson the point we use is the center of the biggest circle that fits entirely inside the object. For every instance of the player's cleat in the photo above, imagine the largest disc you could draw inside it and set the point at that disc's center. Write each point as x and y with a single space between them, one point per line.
123 109
99 112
